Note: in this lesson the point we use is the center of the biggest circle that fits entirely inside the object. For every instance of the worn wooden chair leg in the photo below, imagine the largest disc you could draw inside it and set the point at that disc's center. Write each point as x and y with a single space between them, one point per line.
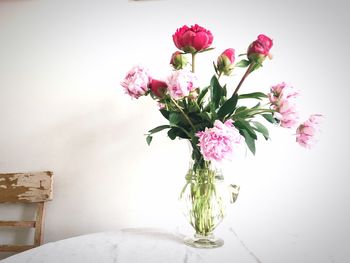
38 236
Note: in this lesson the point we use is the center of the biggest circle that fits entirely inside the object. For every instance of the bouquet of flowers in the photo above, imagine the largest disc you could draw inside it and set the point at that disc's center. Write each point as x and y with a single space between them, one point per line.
208 117
212 120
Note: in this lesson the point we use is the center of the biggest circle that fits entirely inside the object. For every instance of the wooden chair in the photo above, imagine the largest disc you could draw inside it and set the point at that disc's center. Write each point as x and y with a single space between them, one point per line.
26 188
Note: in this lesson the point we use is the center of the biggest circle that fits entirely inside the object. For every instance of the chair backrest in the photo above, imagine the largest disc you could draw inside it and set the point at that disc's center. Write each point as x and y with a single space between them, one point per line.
26 188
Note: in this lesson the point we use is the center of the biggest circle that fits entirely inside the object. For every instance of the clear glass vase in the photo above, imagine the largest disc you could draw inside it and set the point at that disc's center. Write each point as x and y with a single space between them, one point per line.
205 197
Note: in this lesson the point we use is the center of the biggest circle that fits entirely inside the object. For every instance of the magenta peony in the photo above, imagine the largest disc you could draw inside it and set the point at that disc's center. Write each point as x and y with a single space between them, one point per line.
260 48
192 39
158 87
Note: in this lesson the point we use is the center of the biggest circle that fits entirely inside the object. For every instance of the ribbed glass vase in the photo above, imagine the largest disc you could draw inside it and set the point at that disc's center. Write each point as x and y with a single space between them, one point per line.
205 197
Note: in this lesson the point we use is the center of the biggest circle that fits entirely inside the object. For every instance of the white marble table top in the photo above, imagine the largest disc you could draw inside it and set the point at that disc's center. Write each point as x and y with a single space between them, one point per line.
134 246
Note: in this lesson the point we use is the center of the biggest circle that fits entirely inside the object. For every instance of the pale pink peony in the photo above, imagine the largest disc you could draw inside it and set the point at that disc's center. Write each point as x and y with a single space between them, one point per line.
217 143
282 99
282 91
181 83
137 81
307 131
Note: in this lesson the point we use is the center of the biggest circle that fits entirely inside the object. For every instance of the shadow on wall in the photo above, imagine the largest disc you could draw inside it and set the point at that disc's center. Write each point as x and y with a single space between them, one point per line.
86 138
89 151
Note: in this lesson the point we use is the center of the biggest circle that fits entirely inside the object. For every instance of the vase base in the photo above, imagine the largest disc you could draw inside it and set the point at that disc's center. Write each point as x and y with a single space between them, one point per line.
198 241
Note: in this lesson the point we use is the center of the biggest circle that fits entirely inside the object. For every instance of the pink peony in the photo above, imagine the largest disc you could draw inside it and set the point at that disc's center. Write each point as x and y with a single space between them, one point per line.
217 143
136 81
307 131
282 99
192 39
181 83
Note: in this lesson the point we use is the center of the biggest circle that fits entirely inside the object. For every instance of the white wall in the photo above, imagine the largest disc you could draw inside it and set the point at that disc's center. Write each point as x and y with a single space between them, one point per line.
62 109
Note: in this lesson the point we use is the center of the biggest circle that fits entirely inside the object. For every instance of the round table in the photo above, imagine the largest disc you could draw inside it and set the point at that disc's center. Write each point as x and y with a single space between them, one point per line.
135 246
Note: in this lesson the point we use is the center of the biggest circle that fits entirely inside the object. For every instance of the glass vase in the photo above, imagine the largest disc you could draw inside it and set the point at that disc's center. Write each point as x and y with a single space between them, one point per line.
205 197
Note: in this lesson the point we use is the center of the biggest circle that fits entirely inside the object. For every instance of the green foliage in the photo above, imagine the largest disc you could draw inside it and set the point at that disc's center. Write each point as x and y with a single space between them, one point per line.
159 128
228 107
269 117
245 125
198 111
262 129
175 118
202 95
165 113
216 93
249 140
254 95
149 139
243 63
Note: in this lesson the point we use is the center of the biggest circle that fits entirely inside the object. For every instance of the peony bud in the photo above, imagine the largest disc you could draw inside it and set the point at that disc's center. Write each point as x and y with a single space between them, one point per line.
225 62
178 60
259 49
192 39
158 87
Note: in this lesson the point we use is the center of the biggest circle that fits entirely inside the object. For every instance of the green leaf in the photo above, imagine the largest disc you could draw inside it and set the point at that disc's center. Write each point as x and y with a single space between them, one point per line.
249 141
149 139
241 108
205 116
256 106
228 107
262 129
244 125
243 63
254 95
175 117
159 128
165 113
256 66
216 92
269 118
215 68
224 91
172 133
177 132
205 50
202 94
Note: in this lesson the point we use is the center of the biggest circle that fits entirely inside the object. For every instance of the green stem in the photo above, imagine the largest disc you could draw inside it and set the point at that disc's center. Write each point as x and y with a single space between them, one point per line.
244 77
193 62
183 113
